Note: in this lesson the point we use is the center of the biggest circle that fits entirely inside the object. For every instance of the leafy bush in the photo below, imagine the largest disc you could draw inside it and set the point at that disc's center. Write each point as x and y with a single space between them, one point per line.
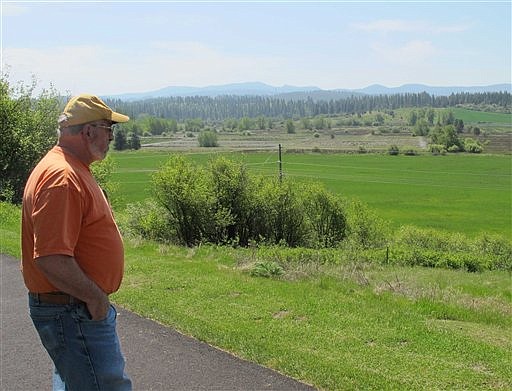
151 221
27 133
102 171
230 186
472 146
432 248
267 269
207 138
365 228
279 216
221 203
326 215
182 189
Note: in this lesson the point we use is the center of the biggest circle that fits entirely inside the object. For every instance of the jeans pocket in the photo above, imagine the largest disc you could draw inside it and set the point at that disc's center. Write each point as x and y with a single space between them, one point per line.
51 332
82 314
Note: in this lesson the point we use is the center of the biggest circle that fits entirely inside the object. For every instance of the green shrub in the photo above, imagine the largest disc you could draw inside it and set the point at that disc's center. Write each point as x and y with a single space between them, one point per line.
432 248
365 228
497 248
208 138
280 213
231 188
267 269
182 189
222 204
27 133
102 171
326 215
150 221
472 146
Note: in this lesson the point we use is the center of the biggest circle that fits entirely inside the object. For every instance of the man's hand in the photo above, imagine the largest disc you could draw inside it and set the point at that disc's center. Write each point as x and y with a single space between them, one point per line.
64 273
99 308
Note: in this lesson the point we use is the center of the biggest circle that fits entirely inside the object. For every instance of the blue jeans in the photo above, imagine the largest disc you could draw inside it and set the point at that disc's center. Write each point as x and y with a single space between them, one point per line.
86 353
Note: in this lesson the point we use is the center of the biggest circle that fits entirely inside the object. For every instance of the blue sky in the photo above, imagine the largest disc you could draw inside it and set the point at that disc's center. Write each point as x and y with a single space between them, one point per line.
134 46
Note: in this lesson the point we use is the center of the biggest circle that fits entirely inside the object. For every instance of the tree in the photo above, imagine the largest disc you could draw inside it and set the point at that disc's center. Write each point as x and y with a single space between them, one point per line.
120 142
447 136
207 138
290 126
413 118
421 128
319 123
459 125
27 132
245 124
430 115
261 121
306 123
194 125
134 141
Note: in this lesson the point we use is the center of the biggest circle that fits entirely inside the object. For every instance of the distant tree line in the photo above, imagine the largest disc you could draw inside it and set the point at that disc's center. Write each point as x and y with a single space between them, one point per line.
224 107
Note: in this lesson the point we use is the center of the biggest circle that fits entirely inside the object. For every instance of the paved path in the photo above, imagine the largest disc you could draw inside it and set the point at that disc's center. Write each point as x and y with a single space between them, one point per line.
158 358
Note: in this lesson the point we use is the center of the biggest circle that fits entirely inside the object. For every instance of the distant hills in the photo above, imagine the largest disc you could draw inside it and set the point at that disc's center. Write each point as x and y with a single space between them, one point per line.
296 93
377 89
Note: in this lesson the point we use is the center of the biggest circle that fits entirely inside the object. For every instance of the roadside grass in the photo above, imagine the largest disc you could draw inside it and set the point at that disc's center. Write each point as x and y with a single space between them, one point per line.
348 326
456 193
10 217
352 326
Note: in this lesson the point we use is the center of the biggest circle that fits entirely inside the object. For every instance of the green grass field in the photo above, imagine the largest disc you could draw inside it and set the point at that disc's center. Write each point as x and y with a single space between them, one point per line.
458 193
476 117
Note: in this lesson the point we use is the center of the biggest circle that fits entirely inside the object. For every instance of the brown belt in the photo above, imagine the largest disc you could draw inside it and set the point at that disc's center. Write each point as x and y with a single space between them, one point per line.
55 298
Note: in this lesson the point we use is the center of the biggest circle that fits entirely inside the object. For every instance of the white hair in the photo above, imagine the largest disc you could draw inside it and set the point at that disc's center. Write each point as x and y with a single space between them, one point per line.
70 130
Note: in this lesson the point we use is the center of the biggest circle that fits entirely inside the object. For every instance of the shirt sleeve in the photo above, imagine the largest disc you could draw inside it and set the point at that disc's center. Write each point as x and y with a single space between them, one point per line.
57 217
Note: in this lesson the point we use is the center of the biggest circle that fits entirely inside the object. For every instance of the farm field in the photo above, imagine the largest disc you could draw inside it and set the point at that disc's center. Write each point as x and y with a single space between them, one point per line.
458 193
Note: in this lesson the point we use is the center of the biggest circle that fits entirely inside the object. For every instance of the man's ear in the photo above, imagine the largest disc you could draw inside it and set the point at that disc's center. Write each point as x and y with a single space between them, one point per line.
86 131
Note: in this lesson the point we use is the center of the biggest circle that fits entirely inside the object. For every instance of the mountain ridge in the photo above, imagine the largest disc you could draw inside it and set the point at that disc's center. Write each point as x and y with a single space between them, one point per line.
302 92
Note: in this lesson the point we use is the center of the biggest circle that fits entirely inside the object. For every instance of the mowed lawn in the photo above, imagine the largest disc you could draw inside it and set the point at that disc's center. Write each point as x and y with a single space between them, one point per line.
457 193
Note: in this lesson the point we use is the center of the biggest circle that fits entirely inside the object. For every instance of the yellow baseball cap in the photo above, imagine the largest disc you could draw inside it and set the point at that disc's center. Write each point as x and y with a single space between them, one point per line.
86 108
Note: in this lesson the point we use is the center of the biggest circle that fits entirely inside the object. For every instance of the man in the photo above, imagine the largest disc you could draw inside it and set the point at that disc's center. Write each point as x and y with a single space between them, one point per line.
72 252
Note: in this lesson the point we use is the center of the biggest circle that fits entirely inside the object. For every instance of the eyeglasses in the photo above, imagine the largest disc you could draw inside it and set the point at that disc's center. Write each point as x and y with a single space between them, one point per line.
110 128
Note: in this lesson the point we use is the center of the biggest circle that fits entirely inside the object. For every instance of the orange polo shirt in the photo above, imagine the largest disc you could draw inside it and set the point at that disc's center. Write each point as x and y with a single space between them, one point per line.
65 212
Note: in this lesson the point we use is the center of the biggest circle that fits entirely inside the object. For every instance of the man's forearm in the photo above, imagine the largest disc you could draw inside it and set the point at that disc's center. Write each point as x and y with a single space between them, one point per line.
64 273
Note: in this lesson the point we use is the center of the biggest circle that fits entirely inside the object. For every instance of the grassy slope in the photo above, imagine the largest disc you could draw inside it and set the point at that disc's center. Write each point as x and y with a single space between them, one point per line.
365 327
